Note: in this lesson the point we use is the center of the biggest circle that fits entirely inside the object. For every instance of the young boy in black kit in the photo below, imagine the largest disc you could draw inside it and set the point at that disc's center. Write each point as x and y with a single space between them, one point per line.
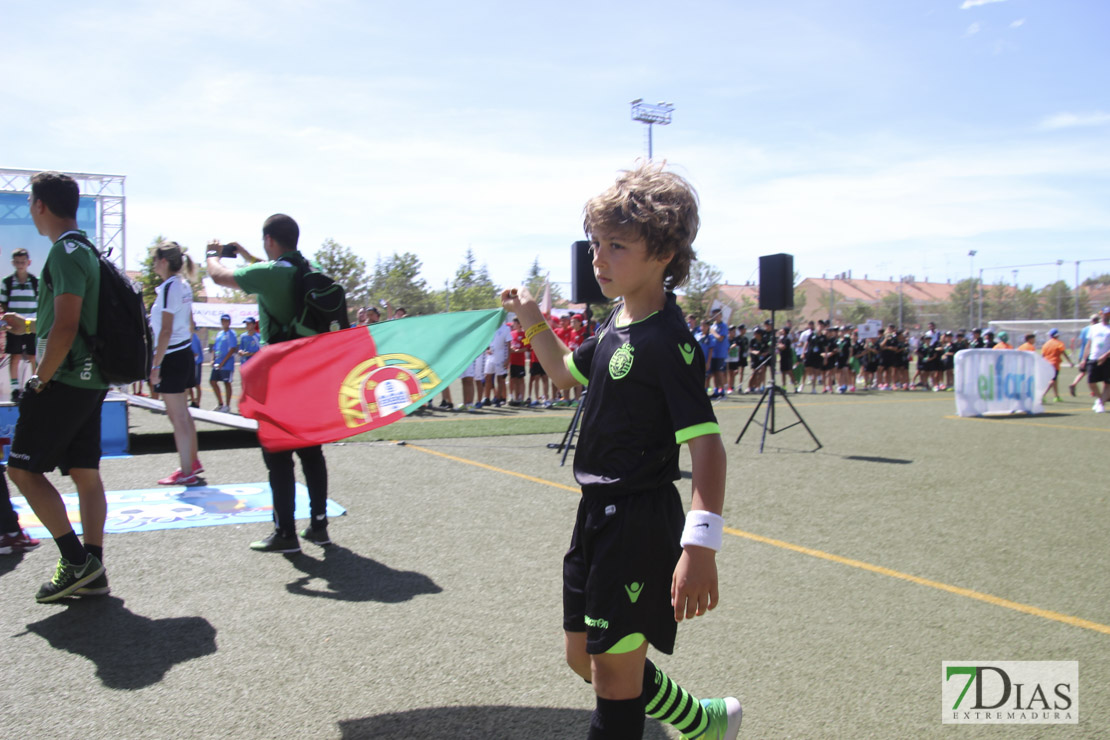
633 571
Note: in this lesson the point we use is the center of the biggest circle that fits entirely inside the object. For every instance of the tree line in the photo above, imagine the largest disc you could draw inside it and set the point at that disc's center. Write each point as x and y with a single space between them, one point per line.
396 281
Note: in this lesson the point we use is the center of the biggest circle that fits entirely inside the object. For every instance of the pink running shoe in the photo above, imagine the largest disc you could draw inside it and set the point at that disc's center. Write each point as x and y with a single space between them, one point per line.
177 478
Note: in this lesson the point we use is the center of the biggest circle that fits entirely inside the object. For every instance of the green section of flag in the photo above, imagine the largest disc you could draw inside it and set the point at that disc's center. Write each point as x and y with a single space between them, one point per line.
446 342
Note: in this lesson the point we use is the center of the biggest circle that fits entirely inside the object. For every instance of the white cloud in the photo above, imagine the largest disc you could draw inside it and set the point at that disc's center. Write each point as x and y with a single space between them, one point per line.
1074 120
972 29
1018 23
976 3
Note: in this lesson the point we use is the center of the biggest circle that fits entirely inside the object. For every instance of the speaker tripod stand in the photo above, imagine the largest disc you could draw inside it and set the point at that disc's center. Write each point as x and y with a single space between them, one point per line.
768 396
568 436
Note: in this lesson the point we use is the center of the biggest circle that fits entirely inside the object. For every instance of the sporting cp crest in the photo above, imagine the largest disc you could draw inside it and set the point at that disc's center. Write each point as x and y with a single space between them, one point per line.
383 386
621 362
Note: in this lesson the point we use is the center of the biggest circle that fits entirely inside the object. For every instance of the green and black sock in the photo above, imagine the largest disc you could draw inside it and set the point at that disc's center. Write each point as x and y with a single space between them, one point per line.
669 703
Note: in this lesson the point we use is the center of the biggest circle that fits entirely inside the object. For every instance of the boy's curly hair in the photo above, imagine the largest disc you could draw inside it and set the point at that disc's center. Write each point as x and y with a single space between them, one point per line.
658 206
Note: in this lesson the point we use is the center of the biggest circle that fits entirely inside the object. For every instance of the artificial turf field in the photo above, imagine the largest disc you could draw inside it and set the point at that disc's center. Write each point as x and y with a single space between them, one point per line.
847 575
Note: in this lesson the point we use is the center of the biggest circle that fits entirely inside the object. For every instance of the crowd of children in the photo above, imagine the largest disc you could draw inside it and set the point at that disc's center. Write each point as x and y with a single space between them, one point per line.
837 359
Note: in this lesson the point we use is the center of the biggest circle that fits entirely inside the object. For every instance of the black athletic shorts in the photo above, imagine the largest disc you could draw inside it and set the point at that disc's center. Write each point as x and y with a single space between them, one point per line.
1098 373
814 362
617 573
734 365
58 427
516 371
19 344
536 369
178 372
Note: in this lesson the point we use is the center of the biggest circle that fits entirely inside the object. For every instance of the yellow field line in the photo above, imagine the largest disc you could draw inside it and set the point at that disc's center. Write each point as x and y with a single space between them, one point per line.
477 464
966 592
1025 423
995 600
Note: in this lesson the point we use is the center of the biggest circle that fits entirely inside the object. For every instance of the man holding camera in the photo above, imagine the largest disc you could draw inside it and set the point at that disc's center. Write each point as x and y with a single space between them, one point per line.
274 282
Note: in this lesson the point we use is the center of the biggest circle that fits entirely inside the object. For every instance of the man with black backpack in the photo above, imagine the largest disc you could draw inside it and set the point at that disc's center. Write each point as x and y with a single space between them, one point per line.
19 293
288 310
59 413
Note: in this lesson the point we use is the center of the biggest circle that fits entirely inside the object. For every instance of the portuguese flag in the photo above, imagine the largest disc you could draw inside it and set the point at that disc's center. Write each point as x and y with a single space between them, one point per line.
324 388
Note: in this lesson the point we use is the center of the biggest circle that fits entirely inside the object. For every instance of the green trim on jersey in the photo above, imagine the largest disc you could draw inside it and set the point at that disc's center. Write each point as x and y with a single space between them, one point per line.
698 430
568 360
627 644
617 323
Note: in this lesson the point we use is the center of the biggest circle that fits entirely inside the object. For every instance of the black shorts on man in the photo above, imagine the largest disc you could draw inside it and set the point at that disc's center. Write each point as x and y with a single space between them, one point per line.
58 427
1098 372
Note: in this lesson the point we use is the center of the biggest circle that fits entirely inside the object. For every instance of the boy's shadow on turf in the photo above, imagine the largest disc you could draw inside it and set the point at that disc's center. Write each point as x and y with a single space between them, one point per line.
130 651
488 723
352 577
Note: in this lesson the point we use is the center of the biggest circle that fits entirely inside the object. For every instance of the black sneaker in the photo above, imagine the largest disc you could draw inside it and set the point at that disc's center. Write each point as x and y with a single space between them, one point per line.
68 578
277 543
317 536
96 587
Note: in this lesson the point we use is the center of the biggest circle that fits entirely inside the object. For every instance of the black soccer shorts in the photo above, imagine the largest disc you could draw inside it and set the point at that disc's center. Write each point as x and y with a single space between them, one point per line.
617 573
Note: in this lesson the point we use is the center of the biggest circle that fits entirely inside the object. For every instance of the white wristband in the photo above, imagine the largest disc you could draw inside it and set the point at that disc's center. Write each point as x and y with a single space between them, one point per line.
704 529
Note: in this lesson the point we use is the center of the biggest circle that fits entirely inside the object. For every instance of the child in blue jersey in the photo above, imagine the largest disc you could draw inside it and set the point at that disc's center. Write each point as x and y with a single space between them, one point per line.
633 570
223 363
249 342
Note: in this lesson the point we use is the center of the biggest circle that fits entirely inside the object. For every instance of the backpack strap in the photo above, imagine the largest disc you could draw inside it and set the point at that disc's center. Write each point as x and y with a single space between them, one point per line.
301 268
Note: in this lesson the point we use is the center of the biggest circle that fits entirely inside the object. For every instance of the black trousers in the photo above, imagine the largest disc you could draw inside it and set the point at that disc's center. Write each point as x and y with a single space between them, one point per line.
283 485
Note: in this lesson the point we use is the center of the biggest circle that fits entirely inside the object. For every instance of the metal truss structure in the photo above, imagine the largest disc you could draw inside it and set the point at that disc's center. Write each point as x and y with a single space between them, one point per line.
111 211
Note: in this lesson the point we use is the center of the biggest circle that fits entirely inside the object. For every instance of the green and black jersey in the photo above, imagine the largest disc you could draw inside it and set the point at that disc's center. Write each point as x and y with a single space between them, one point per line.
646 396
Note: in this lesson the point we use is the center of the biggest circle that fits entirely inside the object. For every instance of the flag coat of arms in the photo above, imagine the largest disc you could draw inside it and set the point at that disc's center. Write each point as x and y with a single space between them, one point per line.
324 388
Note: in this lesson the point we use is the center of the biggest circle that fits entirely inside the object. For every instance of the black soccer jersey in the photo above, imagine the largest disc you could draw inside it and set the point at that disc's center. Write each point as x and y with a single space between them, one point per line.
646 396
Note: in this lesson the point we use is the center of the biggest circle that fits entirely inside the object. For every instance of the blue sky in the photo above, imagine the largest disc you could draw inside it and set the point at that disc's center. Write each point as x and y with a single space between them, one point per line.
883 137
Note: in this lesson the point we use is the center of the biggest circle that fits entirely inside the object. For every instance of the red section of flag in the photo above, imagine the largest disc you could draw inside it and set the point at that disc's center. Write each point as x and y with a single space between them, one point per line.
291 388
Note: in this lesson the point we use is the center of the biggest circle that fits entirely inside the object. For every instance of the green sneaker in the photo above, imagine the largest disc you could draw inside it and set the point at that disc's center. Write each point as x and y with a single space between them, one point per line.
68 578
724 719
96 587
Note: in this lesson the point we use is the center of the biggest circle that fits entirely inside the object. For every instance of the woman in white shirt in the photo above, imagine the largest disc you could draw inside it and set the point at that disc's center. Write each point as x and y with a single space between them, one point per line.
173 370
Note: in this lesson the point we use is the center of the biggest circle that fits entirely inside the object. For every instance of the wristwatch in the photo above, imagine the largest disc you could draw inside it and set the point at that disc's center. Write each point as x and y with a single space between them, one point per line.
34 383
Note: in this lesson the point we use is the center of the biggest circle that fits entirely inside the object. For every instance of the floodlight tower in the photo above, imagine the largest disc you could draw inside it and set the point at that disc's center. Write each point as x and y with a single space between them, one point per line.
971 290
651 114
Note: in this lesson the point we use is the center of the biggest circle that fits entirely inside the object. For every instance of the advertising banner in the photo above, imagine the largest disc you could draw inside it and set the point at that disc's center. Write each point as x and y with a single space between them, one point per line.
207 315
1006 381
